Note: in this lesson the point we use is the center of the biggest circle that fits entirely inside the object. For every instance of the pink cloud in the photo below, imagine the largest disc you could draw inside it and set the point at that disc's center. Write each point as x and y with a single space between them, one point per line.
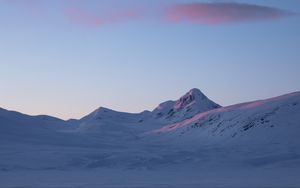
222 13
90 13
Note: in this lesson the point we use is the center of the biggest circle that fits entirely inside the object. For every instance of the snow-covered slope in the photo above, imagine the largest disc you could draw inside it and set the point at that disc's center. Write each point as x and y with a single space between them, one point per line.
273 120
15 123
189 141
42 120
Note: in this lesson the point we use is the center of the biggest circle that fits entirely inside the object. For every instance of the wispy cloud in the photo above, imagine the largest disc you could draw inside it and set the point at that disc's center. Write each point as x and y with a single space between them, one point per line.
222 13
97 13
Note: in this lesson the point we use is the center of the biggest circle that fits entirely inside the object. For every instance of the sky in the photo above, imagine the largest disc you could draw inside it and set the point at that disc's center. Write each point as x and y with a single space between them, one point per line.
66 58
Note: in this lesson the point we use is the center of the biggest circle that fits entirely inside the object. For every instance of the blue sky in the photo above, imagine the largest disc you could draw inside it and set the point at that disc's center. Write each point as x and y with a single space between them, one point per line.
66 58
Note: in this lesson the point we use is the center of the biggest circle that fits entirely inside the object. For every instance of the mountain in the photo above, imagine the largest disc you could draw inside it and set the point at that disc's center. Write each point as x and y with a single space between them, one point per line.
188 105
10 120
255 122
191 142
107 116
193 102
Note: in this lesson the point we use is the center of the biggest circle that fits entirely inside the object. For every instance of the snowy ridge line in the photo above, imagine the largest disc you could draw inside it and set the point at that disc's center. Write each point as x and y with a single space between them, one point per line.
240 106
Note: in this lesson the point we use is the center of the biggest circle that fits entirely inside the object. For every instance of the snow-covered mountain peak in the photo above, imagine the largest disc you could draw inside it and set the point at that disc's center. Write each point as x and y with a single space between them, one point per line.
193 102
99 112
191 97
195 92
103 110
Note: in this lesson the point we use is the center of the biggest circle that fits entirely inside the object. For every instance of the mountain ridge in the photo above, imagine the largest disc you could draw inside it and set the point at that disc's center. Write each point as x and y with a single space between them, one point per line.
241 139
133 113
